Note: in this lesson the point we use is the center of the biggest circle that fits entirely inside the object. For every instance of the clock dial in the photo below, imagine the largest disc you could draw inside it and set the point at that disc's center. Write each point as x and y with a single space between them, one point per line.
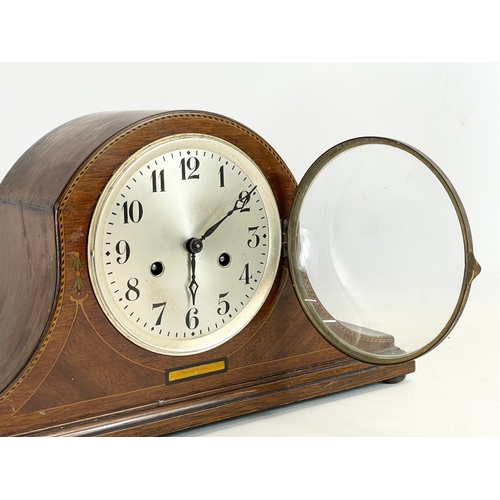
184 244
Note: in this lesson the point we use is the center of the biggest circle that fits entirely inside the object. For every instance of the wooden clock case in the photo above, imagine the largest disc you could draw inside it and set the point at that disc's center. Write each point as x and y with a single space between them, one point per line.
65 370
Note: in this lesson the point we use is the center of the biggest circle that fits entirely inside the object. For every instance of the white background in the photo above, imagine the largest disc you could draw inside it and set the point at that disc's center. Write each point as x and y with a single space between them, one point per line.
448 111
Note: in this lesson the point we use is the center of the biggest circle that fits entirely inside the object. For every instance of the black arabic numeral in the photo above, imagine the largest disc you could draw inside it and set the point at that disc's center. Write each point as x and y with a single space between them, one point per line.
224 309
133 292
189 168
245 275
123 249
255 240
221 177
158 181
192 321
132 212
162 306
244 199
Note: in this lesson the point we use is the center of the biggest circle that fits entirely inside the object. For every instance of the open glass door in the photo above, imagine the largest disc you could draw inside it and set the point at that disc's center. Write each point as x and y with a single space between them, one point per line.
380 250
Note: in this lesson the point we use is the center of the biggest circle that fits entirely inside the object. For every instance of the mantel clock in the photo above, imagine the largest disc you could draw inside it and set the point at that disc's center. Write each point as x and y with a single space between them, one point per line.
166 271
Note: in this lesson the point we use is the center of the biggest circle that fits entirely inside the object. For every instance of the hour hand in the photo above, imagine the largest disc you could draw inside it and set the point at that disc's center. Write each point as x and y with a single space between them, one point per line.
239 205
193 246
193 286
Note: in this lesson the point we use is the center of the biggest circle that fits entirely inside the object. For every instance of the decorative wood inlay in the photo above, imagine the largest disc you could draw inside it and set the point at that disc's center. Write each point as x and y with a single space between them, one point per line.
65 370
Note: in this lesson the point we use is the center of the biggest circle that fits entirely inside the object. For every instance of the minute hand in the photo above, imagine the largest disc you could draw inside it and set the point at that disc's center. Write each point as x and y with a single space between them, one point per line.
239 205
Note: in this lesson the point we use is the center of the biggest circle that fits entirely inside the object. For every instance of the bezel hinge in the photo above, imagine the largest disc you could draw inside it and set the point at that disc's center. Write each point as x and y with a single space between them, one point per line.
284 240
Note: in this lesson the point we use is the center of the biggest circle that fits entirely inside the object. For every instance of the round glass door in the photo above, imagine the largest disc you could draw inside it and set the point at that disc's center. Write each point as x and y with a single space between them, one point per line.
380 250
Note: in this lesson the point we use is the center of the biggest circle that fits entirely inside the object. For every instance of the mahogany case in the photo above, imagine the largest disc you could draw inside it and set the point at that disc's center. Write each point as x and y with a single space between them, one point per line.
65 370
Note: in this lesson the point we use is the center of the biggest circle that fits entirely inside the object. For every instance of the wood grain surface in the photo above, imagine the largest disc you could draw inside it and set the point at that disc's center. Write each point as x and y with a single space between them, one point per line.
65 370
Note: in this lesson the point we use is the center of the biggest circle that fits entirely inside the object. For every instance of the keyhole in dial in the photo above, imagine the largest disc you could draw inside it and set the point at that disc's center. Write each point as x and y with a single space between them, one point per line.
224 259
156 268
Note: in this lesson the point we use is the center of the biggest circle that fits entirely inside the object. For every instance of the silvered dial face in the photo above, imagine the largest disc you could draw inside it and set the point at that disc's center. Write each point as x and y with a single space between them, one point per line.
184 244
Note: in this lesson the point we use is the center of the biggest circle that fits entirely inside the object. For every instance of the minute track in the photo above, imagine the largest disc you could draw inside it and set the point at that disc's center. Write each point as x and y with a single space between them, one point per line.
164 198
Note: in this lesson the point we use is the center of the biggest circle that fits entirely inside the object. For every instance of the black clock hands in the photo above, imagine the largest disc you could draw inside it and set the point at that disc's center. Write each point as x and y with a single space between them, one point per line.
195 245
238 206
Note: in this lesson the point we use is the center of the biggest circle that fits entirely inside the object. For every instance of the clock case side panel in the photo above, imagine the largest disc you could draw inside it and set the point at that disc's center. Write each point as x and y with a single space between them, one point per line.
29 276
29 262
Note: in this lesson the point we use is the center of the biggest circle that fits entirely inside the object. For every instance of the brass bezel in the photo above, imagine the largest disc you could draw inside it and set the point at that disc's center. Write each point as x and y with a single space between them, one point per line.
471 266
